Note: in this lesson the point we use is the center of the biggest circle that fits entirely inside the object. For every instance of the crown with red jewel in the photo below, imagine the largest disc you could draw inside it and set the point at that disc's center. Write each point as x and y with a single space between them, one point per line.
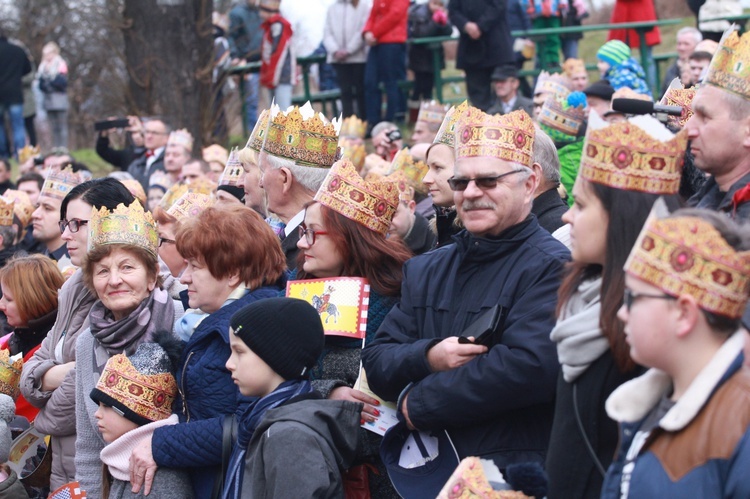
678 95
687 255
303 136
447 133
413 170
509 137
190 205
370 203
639 154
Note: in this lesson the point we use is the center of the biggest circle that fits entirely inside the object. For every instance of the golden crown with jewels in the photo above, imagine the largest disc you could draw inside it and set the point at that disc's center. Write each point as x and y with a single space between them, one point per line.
509 137
22 206
413 170
27 152
190 205
353 128
730 65
432 113
402 183
560 116
6 212
123 225
552 83
687 255
371 204
258 135
678 95
303 136
639 154
215 153
447 133
354 151
59 182
10 375
181 138
233 171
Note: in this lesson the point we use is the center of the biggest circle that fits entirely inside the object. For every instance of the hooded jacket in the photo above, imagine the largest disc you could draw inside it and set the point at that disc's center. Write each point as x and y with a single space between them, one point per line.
300 449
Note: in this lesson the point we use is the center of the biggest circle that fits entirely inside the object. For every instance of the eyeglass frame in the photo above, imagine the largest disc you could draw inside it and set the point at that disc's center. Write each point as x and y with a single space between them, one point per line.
481 182
163 240
629 297
74 225
310 234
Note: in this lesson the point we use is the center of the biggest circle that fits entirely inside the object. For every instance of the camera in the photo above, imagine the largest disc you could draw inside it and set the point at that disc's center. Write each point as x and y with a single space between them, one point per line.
38 160
393 135
100 126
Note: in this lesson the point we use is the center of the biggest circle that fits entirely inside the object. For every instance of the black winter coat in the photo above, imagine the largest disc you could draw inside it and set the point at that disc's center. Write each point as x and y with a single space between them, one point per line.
14 64
421 25
495 46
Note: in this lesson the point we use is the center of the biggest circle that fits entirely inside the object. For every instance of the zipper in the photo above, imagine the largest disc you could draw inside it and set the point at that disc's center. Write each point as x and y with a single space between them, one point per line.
182 383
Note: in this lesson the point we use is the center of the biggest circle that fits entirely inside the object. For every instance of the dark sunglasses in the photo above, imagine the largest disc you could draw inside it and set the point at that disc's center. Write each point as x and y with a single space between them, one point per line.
460 184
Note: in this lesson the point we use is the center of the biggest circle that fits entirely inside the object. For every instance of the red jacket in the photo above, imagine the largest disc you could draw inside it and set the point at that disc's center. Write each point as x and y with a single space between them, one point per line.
388 20
633 11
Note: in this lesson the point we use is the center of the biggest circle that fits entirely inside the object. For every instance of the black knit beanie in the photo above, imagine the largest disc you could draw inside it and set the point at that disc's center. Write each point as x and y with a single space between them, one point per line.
235 191
285 332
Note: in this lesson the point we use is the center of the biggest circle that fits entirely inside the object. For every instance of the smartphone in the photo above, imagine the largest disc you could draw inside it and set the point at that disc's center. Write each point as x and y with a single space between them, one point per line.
110 124
487 329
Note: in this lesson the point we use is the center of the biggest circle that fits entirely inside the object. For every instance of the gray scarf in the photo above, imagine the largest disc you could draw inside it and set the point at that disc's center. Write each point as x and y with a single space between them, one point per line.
577 334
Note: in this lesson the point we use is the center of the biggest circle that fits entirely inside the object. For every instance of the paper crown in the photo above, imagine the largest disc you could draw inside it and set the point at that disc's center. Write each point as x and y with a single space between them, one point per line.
215 153
677 95
573 66
190 205
233 171
303 136
730 65
560 115
447 133
687 255
22 206
10 375
60 182
6 212
160 179
353 151
509 137
199 185
136 189
181 138
402 183
639 154
554 83
414 171
27 152
123 225
353 128
147 397
432 113
258 135
371 204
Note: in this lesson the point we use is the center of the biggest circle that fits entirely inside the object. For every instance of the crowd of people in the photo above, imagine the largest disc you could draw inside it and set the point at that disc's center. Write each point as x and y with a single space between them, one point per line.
556 290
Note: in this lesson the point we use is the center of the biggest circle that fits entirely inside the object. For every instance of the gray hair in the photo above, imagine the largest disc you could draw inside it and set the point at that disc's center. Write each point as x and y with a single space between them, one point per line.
545 154
383 125
8 233
689 30
309 177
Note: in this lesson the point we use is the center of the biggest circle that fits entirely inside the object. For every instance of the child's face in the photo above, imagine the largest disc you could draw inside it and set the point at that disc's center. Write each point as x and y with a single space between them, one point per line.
250 373
602 66
266 14
111 424
435 5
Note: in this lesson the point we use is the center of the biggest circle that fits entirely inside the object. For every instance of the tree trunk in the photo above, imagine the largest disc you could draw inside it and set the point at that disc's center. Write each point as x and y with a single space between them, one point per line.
168 55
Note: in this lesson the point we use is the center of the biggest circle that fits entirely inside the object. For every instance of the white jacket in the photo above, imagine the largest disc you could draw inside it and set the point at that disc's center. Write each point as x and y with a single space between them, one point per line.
343 30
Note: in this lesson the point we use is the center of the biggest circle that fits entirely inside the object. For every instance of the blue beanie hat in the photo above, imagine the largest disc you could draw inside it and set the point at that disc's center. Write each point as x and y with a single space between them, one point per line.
614 52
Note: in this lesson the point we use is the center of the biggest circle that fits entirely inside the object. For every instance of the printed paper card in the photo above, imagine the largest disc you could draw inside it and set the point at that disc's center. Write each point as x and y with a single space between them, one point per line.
388 414
342 303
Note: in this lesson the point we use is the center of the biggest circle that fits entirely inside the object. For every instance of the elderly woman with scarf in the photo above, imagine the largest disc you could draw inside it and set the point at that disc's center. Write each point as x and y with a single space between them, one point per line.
122 269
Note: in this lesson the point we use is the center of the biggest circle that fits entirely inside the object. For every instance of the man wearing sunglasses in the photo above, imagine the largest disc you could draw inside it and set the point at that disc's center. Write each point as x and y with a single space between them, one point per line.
494 398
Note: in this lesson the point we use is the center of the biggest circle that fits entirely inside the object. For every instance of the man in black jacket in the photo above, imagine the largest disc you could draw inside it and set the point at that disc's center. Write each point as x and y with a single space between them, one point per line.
13 66
548 205
155 136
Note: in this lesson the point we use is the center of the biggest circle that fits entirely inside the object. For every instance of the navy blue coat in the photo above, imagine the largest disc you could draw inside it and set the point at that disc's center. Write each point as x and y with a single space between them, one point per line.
209 394
495 46
499 405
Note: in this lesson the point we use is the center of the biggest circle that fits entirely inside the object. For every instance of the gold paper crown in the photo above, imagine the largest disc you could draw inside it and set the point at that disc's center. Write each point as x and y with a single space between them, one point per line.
10 375
60 182
413 170
123 225
639 154
136 189
233 172
27 152
190 205
730 66
6 212
447 133
353 151
160 179
216 153
258 135
402 183
572 66
199 186
181 138
22 206
687 255
150 396
353 128
677 95
555 83
306 141
432 113
371 204
509 137
557 114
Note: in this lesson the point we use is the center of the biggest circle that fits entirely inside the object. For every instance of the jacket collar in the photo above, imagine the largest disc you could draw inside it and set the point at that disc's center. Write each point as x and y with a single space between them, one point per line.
481 249
546 201
632 401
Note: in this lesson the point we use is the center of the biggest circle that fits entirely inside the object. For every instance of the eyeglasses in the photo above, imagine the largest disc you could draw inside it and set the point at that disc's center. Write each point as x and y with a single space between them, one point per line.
74 225
460 184
629 297
310 234
163 240
153 132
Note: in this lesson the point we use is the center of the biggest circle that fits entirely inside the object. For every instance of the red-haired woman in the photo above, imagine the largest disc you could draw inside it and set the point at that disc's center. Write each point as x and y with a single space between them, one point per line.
30 285
332 245
233 259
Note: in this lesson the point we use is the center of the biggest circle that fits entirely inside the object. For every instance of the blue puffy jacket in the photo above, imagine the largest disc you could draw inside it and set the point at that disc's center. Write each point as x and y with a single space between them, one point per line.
207 394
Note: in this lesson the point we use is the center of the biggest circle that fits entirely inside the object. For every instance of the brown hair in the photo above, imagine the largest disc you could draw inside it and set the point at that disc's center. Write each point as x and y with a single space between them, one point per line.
162 217
233 239
366 253
33 281
96 255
